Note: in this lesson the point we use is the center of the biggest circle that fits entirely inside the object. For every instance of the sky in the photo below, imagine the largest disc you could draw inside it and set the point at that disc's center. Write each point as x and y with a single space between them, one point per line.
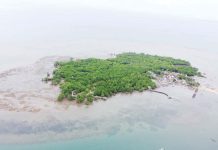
200 9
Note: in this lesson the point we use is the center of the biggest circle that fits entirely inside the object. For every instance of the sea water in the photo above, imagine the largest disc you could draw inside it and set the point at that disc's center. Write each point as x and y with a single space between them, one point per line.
141 121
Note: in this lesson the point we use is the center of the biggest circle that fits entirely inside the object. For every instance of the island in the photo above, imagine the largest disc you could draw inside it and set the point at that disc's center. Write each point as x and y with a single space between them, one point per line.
86 80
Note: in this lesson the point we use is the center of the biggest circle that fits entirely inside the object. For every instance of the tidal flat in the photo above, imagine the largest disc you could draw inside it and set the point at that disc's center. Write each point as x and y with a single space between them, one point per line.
31 118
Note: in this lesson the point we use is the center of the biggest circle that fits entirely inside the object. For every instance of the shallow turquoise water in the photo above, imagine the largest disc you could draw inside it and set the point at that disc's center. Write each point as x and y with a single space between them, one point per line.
121 142
97 143
128 141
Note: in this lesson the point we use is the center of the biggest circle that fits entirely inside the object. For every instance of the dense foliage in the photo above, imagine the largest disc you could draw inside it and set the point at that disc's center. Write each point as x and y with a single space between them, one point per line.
87 79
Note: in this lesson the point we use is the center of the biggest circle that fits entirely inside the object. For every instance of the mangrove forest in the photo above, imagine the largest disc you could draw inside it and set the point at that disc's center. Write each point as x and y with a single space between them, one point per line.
86 80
